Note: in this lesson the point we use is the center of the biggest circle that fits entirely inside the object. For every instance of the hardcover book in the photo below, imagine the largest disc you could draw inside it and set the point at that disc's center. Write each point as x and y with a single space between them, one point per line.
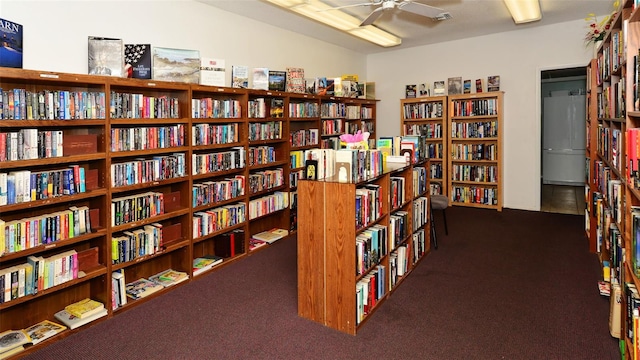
466 87
277 80
178 65
13 338
479 85
212 72
106 56
424 90
44 330
205 263
438 88
410 91
240 76
137 58
271 236
493 83
74 322
261 78
454 85
11 49
295 80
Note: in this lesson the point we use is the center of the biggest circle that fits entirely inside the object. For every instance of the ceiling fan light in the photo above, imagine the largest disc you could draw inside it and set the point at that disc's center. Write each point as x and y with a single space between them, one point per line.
524 11
377 36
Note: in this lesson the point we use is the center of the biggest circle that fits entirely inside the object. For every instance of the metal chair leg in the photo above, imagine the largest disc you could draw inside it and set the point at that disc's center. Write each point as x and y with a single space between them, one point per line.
434 237
444 215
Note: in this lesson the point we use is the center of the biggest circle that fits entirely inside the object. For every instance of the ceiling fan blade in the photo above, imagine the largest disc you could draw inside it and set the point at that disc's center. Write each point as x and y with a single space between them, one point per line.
371 3
375 14
421 9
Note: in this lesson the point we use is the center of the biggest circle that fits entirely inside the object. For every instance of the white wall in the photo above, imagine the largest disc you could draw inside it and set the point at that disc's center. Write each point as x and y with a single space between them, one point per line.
56 32
518 57
55 35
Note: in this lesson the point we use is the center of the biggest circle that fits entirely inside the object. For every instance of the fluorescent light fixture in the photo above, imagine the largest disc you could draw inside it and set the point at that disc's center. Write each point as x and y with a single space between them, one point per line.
340 20
524 11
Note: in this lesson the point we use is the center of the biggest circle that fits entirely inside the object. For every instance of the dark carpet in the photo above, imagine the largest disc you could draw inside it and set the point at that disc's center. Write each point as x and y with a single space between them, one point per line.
509 285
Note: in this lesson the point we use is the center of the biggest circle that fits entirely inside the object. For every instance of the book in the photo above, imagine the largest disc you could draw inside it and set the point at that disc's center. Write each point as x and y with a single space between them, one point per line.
261 78
424 90
370 90
7 354
255 244
240 76
466 87
295 80
169 277
479 85
11 49
180 65
84 308
137 59
142 288
11 339
119 286
212 72
106 56
438 88
44 330
73 322
410 91
493 83
454 85
277 80
204 263
321 86
272 235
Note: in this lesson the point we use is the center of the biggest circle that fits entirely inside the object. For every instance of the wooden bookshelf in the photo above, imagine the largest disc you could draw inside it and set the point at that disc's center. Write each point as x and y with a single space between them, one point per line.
427 116
184 147
329 233
475 150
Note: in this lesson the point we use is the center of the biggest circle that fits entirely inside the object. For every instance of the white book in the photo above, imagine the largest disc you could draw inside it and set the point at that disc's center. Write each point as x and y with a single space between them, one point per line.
3 188
261 78
212 72
74 322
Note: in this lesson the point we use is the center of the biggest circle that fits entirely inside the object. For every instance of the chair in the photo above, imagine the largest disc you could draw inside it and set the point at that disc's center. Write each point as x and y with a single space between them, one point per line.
438 202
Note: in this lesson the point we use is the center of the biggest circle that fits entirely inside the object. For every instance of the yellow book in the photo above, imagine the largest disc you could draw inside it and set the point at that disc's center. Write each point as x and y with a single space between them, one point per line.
84 308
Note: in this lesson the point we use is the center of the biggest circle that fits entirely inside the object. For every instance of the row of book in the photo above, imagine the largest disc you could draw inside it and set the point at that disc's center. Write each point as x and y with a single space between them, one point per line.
25 185
214 134
434 150
265 130
369 291
131 208
213 220
332 127
474 152
259 108
371 246
474 195
210 192
304 137
477 173
146 138
22 104
209 108
477 107
431 130
142 171
422 110
136 243
37 274
398 228
304 109
268 204
26 233
261 155
140 106
397 191
419 181
399 261
435 171
420 212
368 205
233 158
264 180
27 144
474 130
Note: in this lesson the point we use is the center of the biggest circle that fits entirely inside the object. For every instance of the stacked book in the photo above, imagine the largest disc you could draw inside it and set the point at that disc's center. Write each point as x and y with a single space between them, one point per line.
205 263
81 312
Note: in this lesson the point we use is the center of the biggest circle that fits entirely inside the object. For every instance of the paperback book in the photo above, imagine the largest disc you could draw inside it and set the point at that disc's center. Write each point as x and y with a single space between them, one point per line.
74 322
169 277
295 80
106 56
142 288
44 330
261 78
84 308
493 83
438 88
11 49
272 235
410 91
240 76
204 263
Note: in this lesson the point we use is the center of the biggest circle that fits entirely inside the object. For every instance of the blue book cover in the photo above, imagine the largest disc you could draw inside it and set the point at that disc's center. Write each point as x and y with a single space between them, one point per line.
11 49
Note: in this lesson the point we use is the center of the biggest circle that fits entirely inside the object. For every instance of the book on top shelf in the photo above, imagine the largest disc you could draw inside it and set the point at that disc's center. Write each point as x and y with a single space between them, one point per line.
295 80
44 330
410 91
493 83
454 86
11 51
424 90
106 56
84 308
260 78
438 88
180 65
212 72
74 322
466 87
240 76
137 59
321 86
277 80
479 85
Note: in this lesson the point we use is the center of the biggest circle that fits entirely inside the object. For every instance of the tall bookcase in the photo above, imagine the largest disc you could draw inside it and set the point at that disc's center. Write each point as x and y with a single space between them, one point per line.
351 259
194 170
427 116
613 190
475 150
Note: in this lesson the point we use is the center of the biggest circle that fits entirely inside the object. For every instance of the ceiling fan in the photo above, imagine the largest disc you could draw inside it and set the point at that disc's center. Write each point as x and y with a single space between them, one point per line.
405 5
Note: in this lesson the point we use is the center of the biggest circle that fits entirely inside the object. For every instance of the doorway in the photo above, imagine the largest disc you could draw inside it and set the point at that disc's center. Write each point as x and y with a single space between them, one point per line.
563 101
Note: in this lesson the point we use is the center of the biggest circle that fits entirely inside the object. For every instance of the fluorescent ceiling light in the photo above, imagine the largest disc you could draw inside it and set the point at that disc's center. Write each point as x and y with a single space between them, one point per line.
340 20
524 11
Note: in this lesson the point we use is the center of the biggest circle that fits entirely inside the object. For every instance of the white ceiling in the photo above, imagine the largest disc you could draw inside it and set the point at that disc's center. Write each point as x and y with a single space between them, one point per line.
470 18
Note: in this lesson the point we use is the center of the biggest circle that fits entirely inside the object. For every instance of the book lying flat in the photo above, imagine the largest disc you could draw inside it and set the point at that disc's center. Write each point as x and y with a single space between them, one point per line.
272 235
44 330
13 351
141 288
74 322
169 277
84 308
205 263
11 339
